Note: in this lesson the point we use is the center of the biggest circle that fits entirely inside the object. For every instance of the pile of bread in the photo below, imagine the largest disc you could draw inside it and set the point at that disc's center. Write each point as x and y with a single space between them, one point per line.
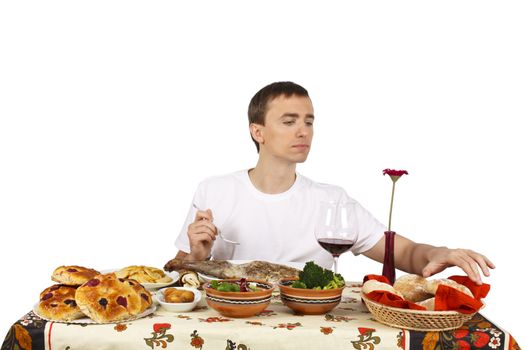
415 288
82 292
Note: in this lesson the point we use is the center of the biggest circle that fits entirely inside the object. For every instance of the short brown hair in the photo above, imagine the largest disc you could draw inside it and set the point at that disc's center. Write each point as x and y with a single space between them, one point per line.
259 103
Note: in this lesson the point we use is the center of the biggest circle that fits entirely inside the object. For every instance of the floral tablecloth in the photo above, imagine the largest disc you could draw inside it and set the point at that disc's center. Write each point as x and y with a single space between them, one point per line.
349 326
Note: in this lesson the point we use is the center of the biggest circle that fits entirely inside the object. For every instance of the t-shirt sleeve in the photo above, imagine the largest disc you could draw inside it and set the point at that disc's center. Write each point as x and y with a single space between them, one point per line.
182 242
370 230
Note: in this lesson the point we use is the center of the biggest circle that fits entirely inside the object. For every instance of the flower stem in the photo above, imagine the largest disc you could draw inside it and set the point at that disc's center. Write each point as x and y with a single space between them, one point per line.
391 205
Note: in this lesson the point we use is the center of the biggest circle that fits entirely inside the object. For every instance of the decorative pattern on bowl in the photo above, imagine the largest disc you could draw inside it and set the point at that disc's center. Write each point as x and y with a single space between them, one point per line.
240 304
309 301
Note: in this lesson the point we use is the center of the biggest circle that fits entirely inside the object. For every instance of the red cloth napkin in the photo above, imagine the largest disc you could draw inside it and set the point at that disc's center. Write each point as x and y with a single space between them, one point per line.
448 298
478 291
388 298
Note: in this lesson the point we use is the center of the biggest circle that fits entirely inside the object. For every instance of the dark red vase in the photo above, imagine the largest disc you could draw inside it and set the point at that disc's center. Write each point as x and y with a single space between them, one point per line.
389 268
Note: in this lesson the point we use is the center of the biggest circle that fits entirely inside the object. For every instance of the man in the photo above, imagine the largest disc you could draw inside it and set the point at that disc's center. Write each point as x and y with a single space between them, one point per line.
271 210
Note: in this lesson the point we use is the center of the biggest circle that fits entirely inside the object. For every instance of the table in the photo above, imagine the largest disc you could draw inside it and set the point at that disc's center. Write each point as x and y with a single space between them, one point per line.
349 326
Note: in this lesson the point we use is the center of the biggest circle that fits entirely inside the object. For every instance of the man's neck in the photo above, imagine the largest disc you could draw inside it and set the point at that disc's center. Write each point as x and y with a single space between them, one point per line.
274 178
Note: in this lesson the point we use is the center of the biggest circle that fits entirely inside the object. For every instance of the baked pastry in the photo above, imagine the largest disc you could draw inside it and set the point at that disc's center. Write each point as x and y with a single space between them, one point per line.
58 303
429 304
412 287
73 275
106 298
373 285
144 274
432 286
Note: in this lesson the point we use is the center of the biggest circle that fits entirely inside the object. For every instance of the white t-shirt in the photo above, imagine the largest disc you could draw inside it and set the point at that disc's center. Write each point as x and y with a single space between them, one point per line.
272 227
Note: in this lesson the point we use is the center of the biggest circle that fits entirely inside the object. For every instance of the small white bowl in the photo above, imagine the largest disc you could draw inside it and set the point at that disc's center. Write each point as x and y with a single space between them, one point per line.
178 307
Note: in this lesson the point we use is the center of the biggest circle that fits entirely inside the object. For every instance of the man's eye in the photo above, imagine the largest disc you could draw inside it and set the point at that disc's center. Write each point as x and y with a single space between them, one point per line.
310 123
289 122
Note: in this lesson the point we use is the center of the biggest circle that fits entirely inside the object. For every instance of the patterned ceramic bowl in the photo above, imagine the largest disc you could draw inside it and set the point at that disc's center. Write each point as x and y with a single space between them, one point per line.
240 304
309 301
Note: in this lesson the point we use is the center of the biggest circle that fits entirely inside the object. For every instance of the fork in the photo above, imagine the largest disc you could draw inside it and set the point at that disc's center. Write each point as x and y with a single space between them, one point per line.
219 233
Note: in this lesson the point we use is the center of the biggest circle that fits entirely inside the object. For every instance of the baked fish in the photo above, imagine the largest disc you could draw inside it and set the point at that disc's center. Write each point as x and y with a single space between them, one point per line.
224 269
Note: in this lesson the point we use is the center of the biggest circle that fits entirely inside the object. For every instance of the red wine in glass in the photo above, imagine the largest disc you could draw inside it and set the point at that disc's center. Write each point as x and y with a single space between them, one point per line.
336 246
335 228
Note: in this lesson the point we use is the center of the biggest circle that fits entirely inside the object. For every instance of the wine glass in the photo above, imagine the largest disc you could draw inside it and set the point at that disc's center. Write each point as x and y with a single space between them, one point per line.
336 229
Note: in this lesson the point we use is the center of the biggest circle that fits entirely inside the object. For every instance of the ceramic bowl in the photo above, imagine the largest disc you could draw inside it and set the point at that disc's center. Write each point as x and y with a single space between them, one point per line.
240 304
309 301
178 307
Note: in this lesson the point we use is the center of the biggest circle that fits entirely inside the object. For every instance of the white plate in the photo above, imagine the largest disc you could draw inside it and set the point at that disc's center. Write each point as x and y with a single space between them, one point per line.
153 286
296 265
87 320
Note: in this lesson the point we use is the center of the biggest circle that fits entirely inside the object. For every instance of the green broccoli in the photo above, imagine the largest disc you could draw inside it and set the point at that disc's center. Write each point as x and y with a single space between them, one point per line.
315 277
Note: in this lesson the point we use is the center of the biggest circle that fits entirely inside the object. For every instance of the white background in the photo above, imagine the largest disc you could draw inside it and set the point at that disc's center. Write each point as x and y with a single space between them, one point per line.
112 112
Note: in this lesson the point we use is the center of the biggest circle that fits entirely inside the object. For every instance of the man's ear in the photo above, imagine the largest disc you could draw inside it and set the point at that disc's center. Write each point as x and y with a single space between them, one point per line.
257 132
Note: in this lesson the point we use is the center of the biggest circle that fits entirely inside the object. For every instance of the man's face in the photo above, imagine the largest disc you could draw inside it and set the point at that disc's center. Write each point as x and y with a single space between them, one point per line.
288 130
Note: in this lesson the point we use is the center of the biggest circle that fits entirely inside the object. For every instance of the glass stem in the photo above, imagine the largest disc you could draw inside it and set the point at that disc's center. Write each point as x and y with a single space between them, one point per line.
336 259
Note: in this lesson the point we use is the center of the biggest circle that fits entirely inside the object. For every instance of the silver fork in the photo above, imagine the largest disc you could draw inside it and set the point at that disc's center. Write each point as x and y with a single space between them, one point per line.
219 233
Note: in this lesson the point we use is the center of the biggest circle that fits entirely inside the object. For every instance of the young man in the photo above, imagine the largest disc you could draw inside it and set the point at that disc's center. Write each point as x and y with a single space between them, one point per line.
271 209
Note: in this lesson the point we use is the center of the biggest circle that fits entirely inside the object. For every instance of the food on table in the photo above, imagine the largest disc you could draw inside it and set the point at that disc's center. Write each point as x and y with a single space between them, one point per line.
144 274
432 286
314 276
413 287
429 304
373 285
189 279
73 275
234 286
260 270
107 298
174 295
58 303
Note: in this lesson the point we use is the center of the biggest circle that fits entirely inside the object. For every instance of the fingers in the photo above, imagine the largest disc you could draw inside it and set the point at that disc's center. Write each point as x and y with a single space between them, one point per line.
469 261
202 230
203 215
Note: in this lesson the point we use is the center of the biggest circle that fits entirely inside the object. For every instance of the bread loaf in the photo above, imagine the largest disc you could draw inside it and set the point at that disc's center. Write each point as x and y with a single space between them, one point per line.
107 298
58 303
412 287
373 285
73 275
432 286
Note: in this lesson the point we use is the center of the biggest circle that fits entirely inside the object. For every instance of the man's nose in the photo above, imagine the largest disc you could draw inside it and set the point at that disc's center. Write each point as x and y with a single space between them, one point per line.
303 130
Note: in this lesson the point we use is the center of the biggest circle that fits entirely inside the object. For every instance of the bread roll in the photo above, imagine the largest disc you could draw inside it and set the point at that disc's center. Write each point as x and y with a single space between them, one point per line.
73 275
373 285
412 287
58 303
429 304
432 286
107 298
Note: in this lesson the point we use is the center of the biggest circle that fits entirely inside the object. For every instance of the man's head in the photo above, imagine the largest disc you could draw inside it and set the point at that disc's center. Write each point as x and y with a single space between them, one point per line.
259 103
281 123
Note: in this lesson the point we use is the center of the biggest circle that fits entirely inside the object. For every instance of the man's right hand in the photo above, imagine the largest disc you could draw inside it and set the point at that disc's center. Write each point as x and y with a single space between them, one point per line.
201 233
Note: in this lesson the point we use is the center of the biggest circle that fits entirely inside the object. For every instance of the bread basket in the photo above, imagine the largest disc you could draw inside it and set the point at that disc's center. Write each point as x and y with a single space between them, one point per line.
416 319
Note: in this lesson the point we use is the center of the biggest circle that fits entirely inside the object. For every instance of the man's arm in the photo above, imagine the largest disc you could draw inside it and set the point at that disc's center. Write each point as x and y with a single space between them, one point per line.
427 260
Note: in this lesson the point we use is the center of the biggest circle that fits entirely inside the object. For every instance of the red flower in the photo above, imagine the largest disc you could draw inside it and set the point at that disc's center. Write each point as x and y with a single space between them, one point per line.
393 172
197 342
326 330
394 175
364 331
159 327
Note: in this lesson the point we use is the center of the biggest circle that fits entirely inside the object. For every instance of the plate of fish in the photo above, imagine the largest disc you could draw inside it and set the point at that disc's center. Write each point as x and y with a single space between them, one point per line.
233 269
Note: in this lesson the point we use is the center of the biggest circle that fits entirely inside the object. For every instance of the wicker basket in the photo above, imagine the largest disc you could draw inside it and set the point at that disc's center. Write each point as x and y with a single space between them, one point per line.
416 319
